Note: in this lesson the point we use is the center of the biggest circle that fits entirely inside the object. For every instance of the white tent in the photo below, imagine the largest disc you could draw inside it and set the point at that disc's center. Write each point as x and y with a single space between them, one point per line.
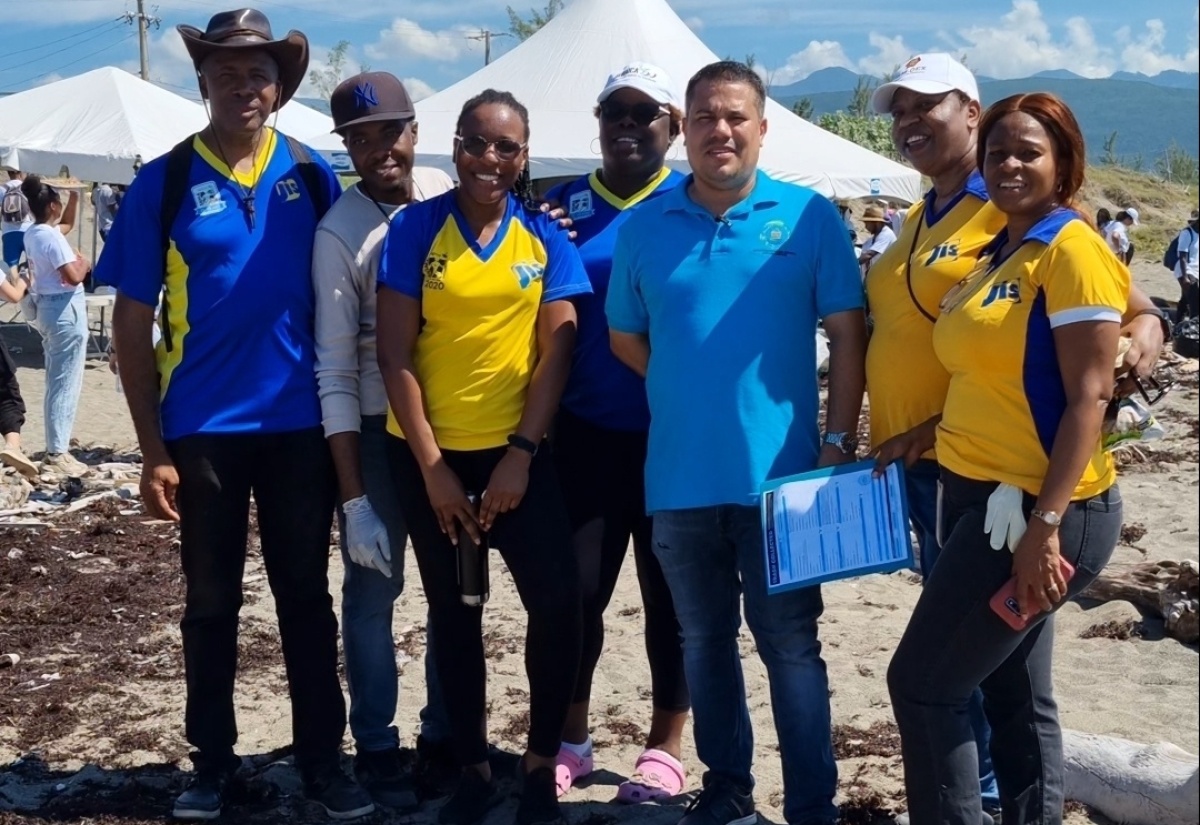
95 124
558 72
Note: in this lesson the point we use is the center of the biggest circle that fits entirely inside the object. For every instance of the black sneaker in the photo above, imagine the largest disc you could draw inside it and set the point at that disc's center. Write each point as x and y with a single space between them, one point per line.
381 775
471 800
720 803
539 799
338 794
436 771
203 796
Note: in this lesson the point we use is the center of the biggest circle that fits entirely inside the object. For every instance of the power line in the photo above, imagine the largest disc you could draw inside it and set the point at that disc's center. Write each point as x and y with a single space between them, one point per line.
111 25
73 62
486 36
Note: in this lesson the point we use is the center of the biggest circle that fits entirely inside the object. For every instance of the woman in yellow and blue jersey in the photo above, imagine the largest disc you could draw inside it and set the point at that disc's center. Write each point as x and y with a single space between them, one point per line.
1029 340
476 329
601 431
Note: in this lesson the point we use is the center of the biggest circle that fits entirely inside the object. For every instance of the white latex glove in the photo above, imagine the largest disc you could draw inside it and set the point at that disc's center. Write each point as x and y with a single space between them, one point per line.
366 537
1005 521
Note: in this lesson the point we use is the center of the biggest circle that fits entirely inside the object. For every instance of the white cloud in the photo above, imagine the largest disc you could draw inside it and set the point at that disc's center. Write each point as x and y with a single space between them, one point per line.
818 54
696 24
1023 44
890 52
418 89
405 38
1146 53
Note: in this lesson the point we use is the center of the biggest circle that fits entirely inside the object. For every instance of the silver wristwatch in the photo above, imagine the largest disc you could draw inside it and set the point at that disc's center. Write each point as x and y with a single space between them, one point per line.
1049 516
845 442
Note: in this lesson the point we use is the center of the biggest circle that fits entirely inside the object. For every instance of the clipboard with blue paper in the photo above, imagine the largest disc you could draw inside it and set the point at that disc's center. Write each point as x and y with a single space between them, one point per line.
835 523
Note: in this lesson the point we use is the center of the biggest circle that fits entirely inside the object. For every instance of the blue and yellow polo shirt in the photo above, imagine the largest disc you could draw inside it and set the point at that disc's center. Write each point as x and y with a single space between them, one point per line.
477 347
906 383
601 389
996 339
240 305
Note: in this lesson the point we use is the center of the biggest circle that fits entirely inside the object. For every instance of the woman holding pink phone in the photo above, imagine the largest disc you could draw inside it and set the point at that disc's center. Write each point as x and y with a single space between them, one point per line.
1029 339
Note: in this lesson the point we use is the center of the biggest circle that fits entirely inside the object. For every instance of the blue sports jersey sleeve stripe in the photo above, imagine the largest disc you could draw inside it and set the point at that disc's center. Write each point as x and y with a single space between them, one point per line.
1042 379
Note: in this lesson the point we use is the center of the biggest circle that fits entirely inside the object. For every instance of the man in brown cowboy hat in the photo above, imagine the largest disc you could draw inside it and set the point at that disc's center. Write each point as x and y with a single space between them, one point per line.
227 408
882 236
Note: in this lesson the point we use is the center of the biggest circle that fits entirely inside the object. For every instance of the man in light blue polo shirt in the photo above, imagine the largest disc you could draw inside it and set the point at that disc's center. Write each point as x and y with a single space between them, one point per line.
715 295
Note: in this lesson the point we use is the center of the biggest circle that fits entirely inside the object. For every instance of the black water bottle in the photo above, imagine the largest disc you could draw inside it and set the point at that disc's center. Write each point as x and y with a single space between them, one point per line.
472 564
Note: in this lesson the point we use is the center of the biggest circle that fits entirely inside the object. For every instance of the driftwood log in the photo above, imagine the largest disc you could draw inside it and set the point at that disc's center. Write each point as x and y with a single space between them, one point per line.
1132 783
1169 589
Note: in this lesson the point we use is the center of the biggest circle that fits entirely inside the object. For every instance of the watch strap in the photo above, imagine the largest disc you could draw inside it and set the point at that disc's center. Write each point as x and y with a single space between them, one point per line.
523 444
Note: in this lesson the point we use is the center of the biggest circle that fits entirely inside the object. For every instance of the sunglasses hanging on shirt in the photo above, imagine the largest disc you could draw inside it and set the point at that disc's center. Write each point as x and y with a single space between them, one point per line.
643 114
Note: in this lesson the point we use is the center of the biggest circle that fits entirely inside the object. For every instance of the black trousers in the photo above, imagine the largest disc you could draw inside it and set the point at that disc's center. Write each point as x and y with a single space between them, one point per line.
292 480
603 480
535 542
12 405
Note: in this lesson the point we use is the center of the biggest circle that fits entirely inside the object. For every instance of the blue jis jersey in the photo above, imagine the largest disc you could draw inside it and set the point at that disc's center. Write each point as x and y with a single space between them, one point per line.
238 353
602 390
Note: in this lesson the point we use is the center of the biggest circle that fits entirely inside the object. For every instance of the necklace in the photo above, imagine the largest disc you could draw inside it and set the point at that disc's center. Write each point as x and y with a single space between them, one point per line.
247 193
387 216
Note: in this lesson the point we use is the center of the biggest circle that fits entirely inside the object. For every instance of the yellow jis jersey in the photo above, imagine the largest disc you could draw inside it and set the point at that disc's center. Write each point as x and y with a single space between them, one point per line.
905 381
996 339
477 347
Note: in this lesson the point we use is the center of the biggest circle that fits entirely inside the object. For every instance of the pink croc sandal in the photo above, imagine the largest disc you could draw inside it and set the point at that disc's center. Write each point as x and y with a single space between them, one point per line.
657 775
570 768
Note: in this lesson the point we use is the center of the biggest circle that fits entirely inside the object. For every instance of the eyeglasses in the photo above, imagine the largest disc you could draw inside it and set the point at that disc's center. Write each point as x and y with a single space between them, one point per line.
477 146
1152 384
643 114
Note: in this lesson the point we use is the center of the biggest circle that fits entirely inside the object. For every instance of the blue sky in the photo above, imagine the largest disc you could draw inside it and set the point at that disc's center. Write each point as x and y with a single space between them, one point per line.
426 41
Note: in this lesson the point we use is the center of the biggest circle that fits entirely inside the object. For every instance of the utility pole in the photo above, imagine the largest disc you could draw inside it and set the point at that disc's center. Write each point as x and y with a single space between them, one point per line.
486 36
144 21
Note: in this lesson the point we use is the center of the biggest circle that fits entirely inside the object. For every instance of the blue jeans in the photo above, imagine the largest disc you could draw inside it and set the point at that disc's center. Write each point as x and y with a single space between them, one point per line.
921 482
62 322
712 557
955 644
367 600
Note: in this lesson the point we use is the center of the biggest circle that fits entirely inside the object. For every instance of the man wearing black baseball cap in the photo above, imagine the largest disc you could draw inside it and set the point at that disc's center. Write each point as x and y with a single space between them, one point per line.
375 117
226 409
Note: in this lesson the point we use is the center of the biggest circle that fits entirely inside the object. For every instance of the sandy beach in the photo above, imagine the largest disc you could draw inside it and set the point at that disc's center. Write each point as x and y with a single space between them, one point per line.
120 709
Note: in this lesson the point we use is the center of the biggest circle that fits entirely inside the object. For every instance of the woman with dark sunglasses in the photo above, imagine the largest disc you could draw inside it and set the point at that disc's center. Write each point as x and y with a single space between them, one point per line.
601 429
476 326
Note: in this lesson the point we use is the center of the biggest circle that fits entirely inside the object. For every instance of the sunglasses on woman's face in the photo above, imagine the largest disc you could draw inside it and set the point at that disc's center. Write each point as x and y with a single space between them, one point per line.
477 146
643 114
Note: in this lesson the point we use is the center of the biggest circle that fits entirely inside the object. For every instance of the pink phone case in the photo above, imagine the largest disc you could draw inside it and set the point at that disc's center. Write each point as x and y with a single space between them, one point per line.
1004 603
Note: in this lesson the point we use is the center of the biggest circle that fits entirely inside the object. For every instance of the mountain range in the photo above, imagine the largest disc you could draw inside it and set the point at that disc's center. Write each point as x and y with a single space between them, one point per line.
1147 113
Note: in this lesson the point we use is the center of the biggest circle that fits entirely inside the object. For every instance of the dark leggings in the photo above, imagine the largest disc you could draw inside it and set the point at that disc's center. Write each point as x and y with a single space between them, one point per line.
602 474
12 405
534 540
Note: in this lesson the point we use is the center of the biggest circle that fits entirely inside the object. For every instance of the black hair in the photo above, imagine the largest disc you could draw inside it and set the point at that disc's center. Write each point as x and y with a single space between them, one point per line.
523 187
1123 216
1103 216
728 71
41 197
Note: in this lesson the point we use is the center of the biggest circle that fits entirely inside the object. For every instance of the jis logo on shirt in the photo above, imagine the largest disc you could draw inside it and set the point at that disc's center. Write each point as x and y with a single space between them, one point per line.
208 199
288 189
774 234
580 206
947 251
434 272
527 272
1003 291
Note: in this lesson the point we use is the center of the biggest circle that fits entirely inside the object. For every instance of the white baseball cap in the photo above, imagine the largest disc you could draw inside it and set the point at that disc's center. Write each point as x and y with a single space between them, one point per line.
928 74
647 79
1133 215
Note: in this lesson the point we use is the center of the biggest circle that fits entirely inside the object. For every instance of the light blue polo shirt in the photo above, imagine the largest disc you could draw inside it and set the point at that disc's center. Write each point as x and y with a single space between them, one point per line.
730 306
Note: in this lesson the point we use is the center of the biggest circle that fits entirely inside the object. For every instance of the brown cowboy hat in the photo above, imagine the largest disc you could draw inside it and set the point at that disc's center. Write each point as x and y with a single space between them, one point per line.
250 29
874 214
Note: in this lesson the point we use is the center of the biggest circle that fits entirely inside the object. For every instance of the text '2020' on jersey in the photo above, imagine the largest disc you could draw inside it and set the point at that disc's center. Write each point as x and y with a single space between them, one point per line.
239 298
906 383
996 338
600 389
477 346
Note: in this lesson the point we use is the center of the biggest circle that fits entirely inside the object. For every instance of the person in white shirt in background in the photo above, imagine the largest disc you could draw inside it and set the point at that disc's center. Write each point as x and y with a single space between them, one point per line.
875 220
104 200
1187 269
56 275
15 218
375 117
1117 234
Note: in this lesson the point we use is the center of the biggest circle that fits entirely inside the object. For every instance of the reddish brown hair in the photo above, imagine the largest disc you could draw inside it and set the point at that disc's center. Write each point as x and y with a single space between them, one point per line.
1070 154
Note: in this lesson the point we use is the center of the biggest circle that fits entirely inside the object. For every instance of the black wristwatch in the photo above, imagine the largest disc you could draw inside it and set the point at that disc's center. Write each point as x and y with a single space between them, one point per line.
845 442
522 443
